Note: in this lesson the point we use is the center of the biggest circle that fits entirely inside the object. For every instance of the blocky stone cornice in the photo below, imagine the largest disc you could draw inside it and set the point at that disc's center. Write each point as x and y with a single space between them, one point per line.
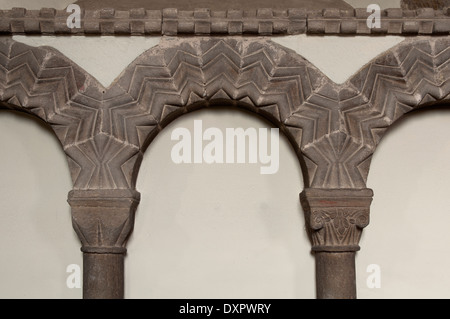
171 21
334 128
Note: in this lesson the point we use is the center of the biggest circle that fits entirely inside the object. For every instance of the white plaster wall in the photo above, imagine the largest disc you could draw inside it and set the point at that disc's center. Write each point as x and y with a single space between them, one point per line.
408 234
225 231
34 215
218 230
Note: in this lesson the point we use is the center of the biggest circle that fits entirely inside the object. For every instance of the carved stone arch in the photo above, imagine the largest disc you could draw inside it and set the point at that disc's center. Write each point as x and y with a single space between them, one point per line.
179 76
43 82
105 131
336 127
412 75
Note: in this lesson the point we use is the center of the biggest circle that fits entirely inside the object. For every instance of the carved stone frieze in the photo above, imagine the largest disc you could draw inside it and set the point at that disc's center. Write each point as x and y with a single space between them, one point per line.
210 21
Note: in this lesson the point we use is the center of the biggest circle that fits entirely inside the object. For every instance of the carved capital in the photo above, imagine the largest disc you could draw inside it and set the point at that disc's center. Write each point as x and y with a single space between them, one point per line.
103 219
335 218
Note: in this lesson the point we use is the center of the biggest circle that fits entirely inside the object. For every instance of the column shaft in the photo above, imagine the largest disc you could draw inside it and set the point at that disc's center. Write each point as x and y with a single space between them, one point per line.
103 276
103 220
335 219
335 275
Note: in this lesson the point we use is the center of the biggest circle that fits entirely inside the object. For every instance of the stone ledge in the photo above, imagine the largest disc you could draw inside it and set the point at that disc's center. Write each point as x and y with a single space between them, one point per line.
172 21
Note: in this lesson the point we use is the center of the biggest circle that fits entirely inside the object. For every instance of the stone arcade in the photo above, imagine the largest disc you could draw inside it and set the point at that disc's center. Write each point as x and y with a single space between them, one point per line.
226 60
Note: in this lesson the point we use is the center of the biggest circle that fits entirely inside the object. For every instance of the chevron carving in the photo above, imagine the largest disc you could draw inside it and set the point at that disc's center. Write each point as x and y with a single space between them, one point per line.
336 128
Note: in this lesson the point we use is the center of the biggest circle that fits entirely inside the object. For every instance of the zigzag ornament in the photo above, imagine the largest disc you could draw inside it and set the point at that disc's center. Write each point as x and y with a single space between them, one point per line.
334 128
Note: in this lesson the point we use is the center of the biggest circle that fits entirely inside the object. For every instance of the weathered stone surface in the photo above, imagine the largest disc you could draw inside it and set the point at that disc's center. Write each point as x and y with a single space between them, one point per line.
336 128
103 276
103 219
335 275
335 217
269 20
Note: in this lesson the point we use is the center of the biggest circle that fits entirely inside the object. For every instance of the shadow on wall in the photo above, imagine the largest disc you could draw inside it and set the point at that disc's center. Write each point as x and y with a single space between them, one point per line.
35 217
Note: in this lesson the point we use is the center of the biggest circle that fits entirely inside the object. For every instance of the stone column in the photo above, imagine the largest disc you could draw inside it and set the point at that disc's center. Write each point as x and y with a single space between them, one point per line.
334 220
103 220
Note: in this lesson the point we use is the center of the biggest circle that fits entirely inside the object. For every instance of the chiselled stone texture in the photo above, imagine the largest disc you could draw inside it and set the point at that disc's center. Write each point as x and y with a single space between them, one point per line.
43 82
411 75
104 134
258 21
103 219
180 76
335 218
334 128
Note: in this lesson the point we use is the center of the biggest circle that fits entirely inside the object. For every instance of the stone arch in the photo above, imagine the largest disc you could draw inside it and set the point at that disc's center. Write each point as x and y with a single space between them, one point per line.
43 82
180 75
412 75
104 131
335 127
